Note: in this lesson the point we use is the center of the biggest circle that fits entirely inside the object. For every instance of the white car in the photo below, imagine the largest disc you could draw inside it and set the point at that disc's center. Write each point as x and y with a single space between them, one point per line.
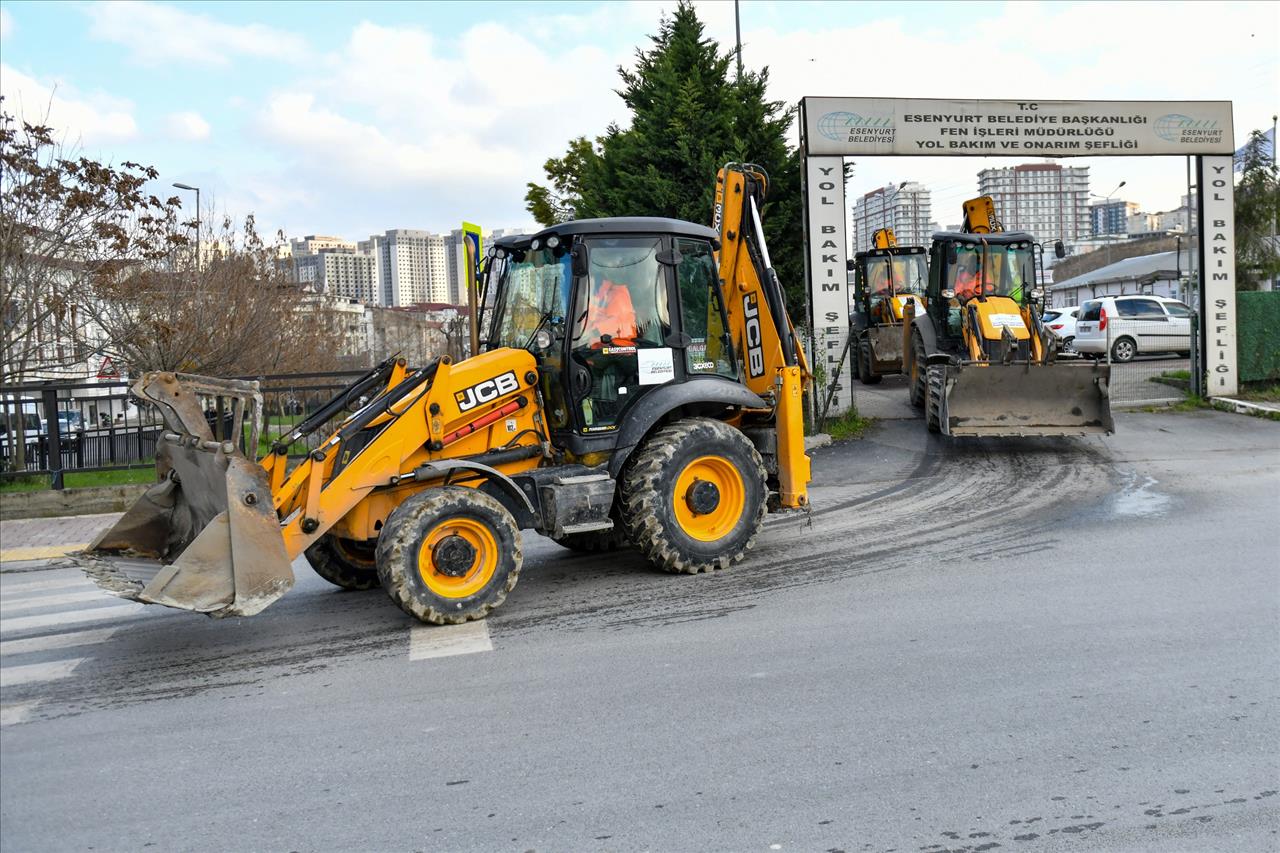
1128 326
1062 322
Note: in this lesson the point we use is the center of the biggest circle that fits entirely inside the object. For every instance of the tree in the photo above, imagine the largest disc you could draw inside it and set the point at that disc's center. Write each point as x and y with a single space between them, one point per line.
1257 212
688 118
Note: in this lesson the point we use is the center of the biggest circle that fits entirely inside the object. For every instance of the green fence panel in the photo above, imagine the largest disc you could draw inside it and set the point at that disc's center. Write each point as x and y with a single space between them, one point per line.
1258 335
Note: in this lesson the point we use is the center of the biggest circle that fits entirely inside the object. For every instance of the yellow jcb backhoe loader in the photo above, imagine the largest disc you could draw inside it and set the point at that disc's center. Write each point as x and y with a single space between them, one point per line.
886 278
638 375
981 362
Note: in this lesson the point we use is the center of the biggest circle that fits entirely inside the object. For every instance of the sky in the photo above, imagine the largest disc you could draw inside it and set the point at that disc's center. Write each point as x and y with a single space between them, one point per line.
351 118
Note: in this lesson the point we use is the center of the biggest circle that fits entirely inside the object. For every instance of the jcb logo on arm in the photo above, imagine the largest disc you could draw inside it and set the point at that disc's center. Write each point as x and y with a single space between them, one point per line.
755 339
486 391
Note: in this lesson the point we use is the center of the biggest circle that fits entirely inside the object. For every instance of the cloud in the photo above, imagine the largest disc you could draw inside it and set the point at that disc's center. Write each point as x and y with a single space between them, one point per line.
156 34
6 24
90 119
187 126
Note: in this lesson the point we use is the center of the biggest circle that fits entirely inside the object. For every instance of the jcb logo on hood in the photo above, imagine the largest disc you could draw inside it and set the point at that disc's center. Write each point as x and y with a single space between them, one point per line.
483 392
755 340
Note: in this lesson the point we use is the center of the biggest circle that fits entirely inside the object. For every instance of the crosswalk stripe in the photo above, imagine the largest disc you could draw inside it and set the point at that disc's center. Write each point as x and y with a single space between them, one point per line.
67 617
24 586
32 602
28 645
16 712
12 676
430 641
39 552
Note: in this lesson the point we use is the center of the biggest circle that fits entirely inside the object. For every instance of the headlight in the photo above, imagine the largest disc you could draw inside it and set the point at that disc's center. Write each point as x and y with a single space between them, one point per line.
553 241
1037 292
542 340
948 294
535 245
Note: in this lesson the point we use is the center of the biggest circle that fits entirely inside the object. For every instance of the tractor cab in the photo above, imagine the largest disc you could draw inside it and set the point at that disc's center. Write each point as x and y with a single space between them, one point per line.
612 309
885 280
993 279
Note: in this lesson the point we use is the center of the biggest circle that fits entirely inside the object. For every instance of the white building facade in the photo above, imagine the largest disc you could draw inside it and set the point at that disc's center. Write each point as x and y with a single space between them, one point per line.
339 273
1049 201
905 208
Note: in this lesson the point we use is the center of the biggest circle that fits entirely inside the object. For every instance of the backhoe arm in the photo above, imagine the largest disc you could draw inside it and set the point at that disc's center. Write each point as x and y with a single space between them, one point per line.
774 364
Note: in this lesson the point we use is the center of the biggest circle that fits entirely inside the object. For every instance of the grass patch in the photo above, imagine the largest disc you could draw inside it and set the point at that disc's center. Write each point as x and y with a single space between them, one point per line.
1261 392
1177 374
82 479
1190 403
848 426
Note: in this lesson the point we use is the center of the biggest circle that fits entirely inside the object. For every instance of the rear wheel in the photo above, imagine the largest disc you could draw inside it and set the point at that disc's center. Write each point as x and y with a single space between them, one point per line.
1124 349
864 354
344 562
448 555
1068 344
933 406
918 387
693 497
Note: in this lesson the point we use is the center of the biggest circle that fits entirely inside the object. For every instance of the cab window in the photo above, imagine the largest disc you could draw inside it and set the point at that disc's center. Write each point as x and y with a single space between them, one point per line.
701 313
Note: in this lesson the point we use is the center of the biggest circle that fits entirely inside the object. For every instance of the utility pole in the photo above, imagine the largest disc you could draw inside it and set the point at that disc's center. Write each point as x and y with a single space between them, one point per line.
737 33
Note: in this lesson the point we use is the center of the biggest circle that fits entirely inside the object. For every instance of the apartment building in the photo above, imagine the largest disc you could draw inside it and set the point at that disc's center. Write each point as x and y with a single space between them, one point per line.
1049 201
906 208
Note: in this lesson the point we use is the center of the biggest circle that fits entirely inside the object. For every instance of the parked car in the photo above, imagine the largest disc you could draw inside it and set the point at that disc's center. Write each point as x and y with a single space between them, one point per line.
1133 325
1062 322
70 423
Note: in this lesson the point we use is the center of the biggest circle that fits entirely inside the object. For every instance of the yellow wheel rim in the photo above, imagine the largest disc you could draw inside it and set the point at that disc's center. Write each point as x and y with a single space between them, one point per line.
441 551
695 518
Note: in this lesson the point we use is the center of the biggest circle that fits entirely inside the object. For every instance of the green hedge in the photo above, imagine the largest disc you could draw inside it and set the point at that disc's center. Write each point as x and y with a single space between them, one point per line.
1258 335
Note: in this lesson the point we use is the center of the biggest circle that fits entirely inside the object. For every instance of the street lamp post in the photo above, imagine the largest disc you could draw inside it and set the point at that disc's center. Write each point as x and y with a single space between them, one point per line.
1106 200
196 190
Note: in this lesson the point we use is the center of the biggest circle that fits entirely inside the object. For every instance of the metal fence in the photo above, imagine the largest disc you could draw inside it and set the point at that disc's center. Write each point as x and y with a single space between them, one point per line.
1151 362
99 426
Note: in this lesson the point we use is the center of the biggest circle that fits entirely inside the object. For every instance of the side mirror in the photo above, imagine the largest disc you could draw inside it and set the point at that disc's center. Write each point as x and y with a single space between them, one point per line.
1059 250
848 265
581 264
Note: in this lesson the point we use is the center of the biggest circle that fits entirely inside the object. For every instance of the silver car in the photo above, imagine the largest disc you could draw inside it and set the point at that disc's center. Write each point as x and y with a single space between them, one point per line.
1128 326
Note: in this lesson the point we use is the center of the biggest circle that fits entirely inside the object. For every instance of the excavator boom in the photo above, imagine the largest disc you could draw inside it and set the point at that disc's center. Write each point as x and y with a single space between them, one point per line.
761 329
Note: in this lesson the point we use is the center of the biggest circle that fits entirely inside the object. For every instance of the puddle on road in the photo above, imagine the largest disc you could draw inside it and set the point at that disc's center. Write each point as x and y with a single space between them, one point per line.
1138 497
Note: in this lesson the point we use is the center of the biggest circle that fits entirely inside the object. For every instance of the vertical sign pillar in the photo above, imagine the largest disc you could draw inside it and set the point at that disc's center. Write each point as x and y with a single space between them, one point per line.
828 273
1218 274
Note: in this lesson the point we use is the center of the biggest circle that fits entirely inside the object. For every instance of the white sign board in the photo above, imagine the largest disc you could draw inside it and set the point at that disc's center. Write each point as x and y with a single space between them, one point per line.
1218 274
927 127
828 274
655 366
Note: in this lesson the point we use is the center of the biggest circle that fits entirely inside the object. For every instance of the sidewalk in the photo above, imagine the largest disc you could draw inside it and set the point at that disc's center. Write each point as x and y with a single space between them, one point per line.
27 539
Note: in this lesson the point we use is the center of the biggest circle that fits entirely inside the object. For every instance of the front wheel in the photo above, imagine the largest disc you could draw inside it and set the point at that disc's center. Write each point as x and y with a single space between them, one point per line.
693 497
918 387
344 562
449 554
937 379
864 353
1123 350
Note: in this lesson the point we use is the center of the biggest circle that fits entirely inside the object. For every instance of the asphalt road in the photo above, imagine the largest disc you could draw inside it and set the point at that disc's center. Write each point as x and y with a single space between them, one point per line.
1031 645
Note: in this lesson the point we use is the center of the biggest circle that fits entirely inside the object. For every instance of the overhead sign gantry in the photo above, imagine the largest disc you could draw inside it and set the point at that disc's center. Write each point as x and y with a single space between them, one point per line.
834 128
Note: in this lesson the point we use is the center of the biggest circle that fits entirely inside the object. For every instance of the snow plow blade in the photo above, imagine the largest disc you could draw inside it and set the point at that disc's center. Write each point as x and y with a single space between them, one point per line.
205 537
994 399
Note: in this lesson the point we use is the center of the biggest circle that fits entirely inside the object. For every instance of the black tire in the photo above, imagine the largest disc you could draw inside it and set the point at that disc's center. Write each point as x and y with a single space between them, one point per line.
860 360
1068 344
344 562
872 378
650 491
449 515
1123 350
918 387
937 378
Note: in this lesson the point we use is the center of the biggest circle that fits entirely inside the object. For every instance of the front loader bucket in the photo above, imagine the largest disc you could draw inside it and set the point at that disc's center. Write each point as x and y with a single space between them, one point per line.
206 536
994 399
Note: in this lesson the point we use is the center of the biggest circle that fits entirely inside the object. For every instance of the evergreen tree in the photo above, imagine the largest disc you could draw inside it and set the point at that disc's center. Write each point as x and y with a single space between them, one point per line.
1257 210
688 118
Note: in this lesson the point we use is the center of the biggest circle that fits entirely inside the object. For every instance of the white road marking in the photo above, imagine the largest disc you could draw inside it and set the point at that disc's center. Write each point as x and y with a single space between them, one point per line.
439 641
55 641
68 617
17 712
12 676
20 587
10 605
